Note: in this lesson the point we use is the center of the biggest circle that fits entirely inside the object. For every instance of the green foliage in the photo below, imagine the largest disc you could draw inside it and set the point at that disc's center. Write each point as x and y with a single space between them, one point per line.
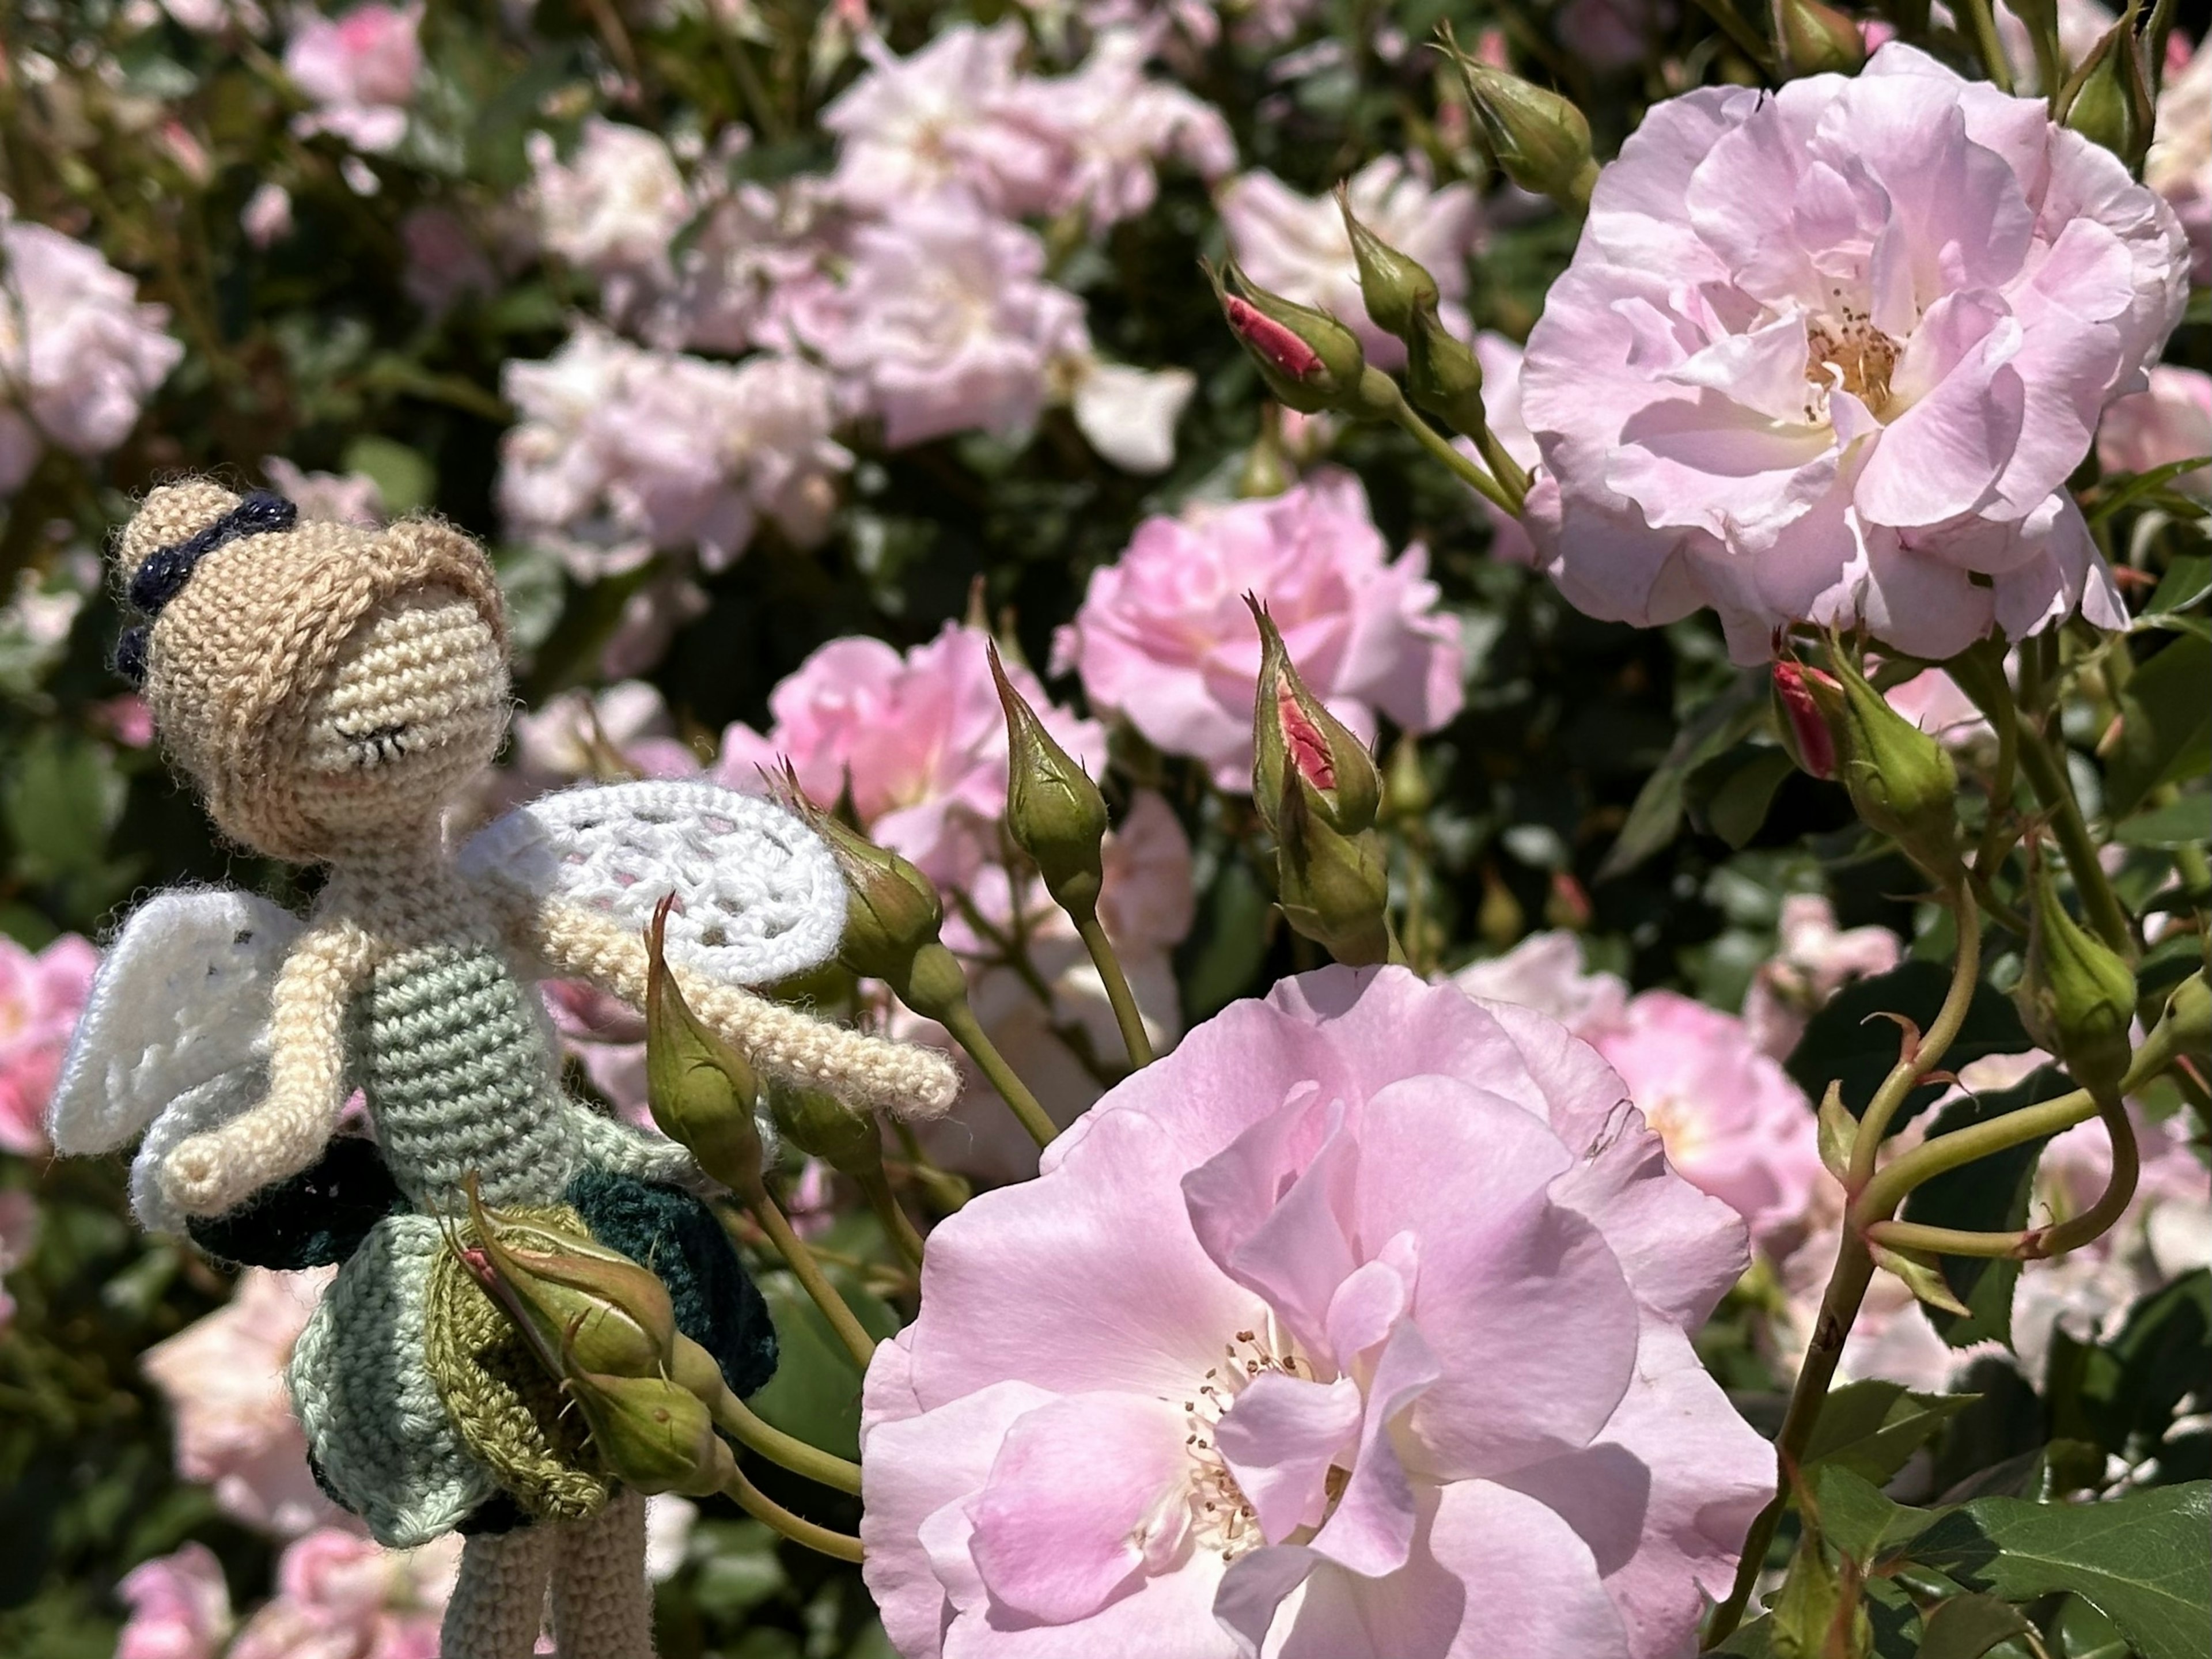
1853 1040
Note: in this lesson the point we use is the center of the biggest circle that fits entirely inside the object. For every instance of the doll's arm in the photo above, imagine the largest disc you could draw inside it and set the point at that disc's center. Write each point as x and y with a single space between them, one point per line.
612 1145
902 1078
286 1130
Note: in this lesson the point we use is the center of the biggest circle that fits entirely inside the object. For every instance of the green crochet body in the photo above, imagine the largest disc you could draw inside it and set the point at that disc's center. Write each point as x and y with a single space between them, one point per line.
453 1058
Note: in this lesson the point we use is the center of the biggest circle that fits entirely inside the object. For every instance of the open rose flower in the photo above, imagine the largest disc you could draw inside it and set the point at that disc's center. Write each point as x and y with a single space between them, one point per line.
1165 638
359 70
1829 354
41 994
179 1606
2170 422
1356 1328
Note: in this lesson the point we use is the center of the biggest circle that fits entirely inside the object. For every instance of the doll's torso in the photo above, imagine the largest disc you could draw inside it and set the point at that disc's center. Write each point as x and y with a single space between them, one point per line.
447 1044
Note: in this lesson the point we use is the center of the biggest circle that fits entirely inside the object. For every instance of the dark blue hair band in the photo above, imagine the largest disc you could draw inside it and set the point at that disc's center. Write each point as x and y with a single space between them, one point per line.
163 576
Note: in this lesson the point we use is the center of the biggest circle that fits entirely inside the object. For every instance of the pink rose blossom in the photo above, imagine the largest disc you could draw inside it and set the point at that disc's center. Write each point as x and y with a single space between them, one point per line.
359 71
340 1596
2180 165
618 730
337 497
2170 421
266 218
763 255
607 1037
1382 1351
945 322
612 209
79 355
1544 972
1296 246
1734 1123
1830 353
179 1606
41 995
224 1380
1165 637
1145 906
1129 414
1813 960
1501 406
624 451
919 738
19 1237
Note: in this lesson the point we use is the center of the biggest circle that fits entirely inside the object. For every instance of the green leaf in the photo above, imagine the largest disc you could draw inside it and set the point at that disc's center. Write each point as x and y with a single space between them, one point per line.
2125 1395
1968 1626
1736 809
1870 1428
2181 822
1990 1195
2141 1560
1713 729
2186 582
1817 1613
1858 1520
2140 485
816 1391
2166 724
403 477
1846 1042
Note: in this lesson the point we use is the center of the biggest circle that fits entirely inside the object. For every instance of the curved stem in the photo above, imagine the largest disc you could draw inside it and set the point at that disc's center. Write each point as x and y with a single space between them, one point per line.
1437 446
1839 1308
736 1420
808 1272
905 1236
1127 1015
966 1031
1905 1075
2100 906
762 1508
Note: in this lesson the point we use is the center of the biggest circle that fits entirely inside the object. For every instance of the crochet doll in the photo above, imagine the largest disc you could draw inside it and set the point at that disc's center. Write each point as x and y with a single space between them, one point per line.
331 690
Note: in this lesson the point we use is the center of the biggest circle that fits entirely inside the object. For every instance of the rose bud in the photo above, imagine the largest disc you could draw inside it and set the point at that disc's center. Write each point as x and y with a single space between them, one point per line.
654 1435
1310 361
2107 101
702 1093
1332 888
1804 729
1053 810
1540 140
1901 781
2076 996
1297 745
579 1305
1395 286
1817 39
822 1126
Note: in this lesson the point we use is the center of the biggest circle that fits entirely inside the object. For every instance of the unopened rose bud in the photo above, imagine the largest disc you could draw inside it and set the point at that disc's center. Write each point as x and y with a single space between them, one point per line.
2076 996
1395 285
1332 888
1310 361
578 1304
1053 810
1901 781
822 1126
2107 99
654 1435
1539 139
1817 39
2188 1018
1299 745
1443 375
700 1090
1804 729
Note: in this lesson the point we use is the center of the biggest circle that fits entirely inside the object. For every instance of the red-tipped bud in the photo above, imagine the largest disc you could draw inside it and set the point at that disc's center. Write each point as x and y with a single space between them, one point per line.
1297 745
1310 361
1804 728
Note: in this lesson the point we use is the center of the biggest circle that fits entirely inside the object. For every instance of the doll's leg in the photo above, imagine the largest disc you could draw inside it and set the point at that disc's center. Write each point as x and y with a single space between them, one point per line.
602 1604
499 1603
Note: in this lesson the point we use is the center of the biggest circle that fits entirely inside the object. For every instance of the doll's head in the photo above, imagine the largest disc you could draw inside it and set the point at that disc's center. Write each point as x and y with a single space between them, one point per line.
330 688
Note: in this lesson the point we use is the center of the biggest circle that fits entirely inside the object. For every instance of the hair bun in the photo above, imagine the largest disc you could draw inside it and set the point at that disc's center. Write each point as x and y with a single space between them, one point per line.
170 514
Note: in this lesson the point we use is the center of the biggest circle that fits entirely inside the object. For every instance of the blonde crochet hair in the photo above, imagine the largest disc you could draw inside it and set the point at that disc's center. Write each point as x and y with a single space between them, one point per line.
249 629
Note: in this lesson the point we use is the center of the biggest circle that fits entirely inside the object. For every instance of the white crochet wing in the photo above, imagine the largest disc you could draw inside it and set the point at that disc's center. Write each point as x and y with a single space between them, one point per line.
175 1032
758 897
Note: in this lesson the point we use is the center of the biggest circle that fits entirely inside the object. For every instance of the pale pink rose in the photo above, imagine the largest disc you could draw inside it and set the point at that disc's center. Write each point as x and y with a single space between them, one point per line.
1813 959
41 994
1129 414
359 71
128 720
337 497
1382 1351
340 1596
1829 355
1544 972
624 451
1932 701
224 1380
1165 637
1296 246
607 1037
946 115
266 218
2170 421
79 355
1145 906
919 738
1734 1123
179 1606
444 262
764 254
19 1237
612 209
945 322
2180 165
1113 125
213 16
619 729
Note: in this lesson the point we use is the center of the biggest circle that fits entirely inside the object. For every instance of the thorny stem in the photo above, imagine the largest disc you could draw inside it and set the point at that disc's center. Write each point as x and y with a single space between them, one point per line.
1922 1057
1127 1015
808 1272
765 1509
960 1021
736 1420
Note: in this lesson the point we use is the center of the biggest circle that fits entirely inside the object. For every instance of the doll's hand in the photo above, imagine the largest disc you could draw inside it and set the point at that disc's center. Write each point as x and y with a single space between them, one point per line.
208 1173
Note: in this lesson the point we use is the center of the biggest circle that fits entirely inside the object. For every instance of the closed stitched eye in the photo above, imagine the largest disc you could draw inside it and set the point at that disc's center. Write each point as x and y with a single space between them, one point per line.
377 745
